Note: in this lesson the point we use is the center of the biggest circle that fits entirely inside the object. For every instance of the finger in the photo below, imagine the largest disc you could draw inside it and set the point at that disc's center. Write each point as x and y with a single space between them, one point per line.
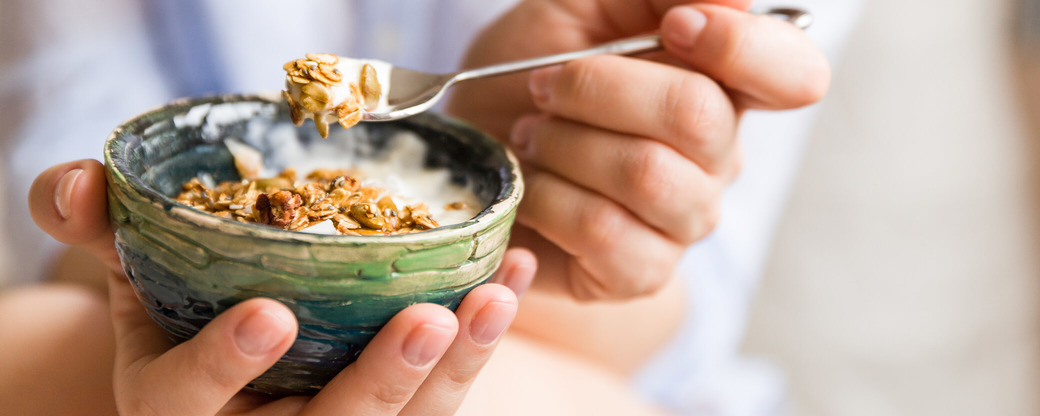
69 202
517 270
265 406
483 316
653 181
682 109
137 336
202 374
392 367
601 237
771 63
617 18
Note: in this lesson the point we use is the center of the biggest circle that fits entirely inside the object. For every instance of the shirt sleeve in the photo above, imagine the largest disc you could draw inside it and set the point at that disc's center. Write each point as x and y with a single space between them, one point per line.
69 73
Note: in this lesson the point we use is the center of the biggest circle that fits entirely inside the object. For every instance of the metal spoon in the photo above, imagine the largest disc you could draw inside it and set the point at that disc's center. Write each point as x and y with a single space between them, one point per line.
412 92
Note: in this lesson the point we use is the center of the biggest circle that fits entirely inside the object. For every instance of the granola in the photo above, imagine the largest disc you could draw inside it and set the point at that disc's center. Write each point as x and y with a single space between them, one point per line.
328 89
326 199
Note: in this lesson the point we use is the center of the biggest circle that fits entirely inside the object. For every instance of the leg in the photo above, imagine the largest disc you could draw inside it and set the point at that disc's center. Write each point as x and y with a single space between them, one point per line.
56 351
529 377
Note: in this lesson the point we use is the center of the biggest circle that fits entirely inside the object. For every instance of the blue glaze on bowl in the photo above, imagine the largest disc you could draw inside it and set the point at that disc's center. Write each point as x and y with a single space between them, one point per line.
188 266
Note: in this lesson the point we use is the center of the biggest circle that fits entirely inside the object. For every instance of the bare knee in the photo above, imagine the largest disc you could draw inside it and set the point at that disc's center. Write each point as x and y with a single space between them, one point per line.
58 342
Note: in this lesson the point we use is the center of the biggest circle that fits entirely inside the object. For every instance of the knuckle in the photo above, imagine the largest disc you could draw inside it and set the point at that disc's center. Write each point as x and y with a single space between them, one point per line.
661 269
583 285
706 221
624 287
651 175
587 285
212 376
459 379
602 223
633 286
649 277
696 214
692 112
581 78
644 272
648 280
389 396
655 283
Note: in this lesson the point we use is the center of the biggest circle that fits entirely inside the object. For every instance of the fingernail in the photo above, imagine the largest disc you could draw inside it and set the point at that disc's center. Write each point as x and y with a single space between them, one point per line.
688 25
63 193
542 81
261 332
425 343
491 321
522 132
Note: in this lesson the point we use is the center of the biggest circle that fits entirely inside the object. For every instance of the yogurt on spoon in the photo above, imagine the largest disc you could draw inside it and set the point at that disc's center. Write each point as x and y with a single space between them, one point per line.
327 89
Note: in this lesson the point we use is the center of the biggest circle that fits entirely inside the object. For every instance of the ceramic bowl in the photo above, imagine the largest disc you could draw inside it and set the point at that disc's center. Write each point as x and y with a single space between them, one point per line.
188 266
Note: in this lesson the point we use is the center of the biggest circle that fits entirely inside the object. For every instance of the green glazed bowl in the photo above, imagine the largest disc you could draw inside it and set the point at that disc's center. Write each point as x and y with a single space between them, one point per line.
188 266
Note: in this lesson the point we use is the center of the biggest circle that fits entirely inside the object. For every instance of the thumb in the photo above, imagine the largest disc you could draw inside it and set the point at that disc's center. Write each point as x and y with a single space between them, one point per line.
68 201
734 47
199 376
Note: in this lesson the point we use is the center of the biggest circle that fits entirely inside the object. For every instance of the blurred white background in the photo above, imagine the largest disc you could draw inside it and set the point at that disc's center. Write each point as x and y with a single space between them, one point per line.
904 278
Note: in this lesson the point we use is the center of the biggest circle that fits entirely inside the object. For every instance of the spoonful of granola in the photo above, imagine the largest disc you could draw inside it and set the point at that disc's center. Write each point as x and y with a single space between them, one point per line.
328 88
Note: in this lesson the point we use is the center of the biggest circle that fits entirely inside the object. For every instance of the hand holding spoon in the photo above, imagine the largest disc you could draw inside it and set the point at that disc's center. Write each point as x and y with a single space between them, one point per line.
322 86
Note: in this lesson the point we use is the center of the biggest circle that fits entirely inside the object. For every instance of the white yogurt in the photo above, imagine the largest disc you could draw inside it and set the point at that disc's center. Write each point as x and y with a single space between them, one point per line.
400 170
351 70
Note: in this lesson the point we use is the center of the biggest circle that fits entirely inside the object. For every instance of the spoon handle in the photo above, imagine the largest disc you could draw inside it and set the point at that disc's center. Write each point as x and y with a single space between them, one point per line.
627 46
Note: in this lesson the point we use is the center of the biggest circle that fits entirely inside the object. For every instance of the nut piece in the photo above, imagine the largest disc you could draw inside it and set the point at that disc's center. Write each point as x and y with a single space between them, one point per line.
277 209
420 215
368 215
370 88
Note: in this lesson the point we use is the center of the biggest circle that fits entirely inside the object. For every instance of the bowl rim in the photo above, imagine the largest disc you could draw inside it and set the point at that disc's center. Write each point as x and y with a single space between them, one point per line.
504 204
